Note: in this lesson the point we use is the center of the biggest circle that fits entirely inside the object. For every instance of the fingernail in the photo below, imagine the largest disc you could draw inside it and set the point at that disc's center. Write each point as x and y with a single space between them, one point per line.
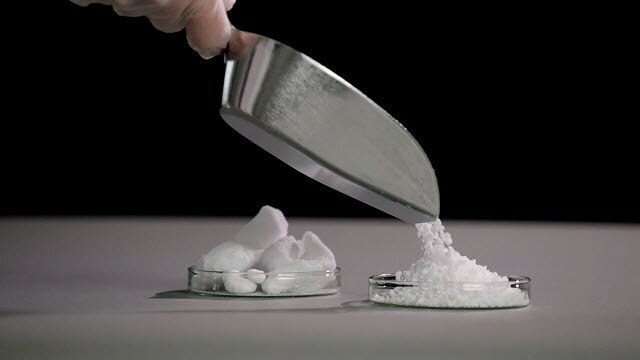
228 4
210 53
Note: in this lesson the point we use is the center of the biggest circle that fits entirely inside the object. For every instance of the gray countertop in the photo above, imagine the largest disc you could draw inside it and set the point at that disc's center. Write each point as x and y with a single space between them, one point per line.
114 288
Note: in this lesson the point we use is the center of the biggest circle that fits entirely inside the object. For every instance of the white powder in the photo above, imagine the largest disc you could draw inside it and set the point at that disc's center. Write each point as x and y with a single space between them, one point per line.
449 279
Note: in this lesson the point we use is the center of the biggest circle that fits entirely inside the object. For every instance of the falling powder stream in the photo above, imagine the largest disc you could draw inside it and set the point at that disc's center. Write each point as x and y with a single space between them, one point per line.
445 278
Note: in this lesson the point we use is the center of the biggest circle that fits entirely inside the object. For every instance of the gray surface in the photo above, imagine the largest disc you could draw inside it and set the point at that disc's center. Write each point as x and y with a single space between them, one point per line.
81 289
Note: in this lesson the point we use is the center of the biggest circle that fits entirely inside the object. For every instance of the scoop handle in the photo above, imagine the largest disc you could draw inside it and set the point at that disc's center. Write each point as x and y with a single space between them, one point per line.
239 43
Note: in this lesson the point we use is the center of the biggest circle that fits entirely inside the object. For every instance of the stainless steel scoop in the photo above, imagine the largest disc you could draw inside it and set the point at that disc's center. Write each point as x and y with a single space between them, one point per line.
315 121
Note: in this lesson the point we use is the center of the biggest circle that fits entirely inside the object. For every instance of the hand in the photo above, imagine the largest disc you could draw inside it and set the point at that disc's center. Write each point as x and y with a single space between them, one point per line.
208 28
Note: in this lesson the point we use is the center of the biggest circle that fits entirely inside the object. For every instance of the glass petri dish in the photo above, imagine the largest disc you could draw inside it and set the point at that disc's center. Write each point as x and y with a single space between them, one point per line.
247 284
385 289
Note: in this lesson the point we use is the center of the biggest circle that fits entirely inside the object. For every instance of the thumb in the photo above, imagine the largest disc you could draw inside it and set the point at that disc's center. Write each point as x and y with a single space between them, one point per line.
208 31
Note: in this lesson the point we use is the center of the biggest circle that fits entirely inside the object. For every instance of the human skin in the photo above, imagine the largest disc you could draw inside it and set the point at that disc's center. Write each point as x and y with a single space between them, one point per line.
206 22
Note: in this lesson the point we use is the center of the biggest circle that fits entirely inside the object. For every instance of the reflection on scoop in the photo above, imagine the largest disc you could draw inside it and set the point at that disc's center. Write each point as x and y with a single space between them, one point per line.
313 120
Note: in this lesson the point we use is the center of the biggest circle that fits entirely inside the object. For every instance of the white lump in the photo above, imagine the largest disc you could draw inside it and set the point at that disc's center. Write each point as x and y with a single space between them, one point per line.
264 229
263 255
314 249
257 276
230 256
449 279
280 253
243 252
236 284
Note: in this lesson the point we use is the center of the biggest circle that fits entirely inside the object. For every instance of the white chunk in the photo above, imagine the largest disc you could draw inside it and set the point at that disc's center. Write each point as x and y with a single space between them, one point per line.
280 253
229 256
264 229
236 284
315 256
262 246
274 285
315 249
257 276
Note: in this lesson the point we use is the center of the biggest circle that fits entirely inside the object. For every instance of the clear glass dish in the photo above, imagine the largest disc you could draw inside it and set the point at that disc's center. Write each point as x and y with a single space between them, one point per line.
385 289
222 283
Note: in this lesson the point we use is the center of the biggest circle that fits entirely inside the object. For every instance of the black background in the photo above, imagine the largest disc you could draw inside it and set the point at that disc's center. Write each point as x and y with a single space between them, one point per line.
525 112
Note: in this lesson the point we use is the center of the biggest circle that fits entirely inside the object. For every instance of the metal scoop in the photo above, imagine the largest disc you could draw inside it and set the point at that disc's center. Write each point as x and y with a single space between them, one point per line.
310 118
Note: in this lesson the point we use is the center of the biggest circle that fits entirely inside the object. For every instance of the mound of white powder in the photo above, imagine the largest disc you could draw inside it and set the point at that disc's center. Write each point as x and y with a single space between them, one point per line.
449 279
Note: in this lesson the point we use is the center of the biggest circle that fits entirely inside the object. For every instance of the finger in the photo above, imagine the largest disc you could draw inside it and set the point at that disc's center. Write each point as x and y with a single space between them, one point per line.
88 2
135 8
173 17
208 31
228 4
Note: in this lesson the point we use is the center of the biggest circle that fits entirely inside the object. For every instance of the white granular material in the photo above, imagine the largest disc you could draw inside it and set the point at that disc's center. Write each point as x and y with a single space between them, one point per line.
448 279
